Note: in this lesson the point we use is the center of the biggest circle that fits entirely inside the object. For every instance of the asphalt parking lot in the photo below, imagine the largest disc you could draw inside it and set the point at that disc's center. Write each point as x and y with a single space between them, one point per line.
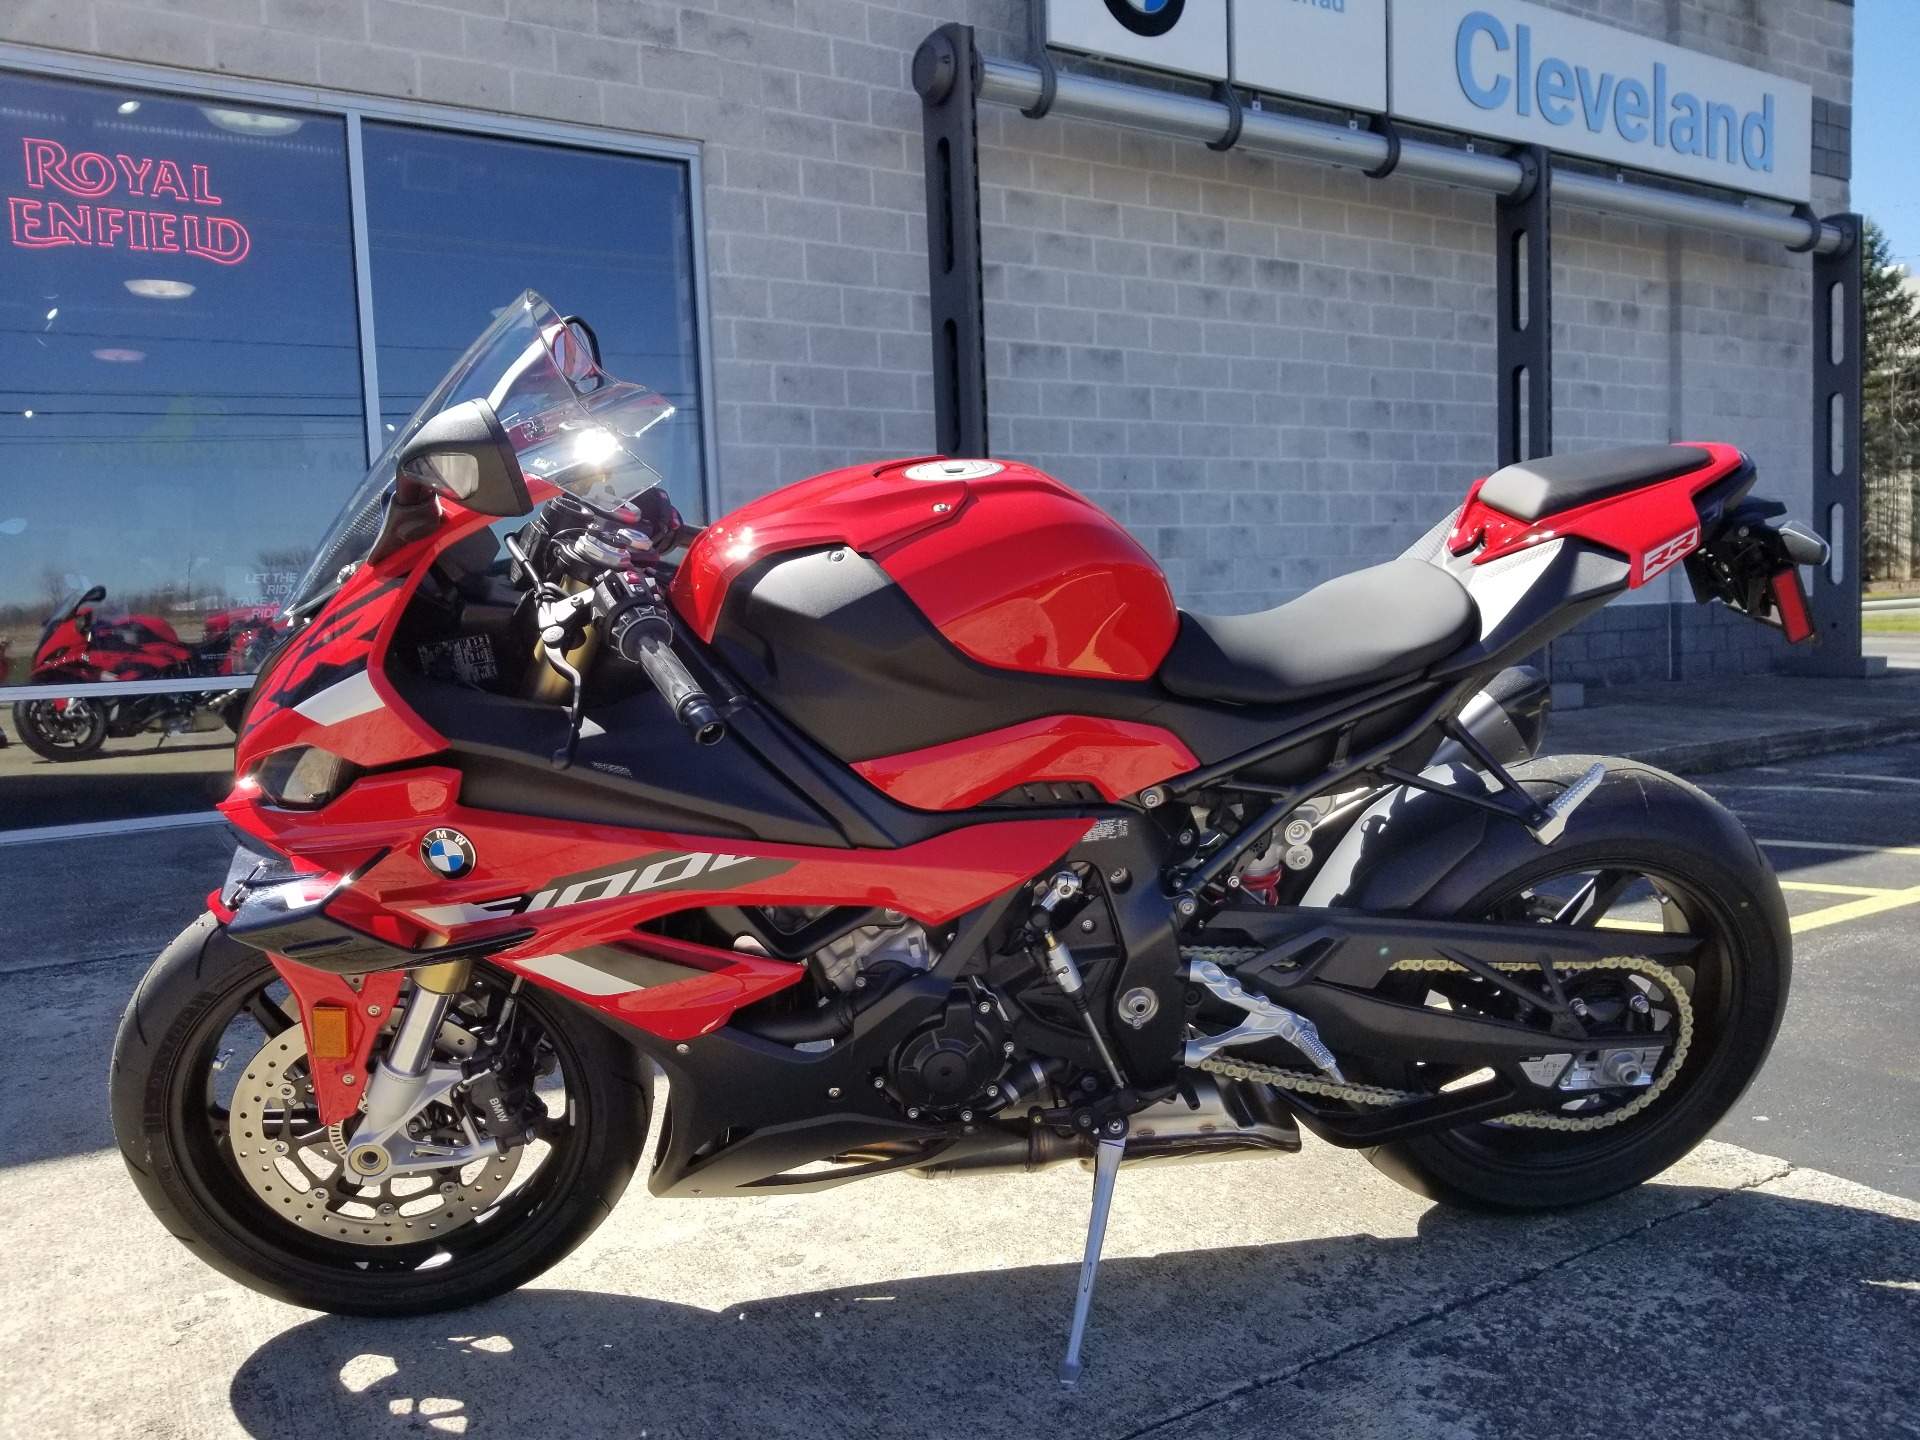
1768 1286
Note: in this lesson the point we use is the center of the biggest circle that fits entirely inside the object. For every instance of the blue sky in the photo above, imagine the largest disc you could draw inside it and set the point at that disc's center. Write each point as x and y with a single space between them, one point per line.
1886 121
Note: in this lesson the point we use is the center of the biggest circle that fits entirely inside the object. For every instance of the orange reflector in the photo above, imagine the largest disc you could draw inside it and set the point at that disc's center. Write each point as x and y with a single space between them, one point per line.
327 1037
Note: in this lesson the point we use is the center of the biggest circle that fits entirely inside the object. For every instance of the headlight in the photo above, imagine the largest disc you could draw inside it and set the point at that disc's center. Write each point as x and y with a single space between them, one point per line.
304 777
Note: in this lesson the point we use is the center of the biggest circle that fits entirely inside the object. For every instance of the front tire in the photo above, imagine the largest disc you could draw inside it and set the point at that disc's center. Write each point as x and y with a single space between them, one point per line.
1701 874
61 729
171 1122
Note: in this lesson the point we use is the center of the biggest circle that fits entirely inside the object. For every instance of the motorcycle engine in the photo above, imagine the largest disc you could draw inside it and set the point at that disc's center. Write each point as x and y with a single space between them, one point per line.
948 1064
945 1066
900 942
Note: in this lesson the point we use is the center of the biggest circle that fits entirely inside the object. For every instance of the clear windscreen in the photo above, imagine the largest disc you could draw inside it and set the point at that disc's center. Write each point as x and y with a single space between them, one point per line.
572 426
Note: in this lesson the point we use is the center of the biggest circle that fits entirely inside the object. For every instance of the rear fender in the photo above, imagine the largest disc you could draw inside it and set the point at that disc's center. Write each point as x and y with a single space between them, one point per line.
1423 854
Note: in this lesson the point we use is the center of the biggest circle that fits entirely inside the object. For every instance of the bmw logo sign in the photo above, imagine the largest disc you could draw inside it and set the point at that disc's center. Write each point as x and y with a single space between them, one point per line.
447 853
1147 17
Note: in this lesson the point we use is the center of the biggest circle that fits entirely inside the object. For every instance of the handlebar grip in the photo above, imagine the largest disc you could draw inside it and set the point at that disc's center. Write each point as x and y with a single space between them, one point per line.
689 703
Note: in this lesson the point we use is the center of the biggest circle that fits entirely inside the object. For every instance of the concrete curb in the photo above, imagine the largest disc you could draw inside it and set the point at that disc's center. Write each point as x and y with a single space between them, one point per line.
1706 756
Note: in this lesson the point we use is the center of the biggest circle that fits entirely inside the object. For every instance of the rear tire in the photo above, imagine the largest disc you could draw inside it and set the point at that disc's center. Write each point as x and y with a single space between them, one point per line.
164 1061
1721 886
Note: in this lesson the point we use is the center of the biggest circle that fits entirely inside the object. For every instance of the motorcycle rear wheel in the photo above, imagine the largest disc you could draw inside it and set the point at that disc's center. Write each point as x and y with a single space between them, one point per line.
70 734
173 1125
1704 885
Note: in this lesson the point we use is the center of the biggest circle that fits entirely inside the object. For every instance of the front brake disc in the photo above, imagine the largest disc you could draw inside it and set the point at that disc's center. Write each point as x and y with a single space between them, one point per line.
289 1159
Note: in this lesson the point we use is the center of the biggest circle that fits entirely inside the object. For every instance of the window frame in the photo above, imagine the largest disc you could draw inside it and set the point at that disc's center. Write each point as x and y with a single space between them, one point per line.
354 109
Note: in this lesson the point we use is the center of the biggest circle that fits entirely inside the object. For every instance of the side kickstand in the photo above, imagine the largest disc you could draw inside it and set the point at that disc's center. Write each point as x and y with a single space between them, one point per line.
1106 1169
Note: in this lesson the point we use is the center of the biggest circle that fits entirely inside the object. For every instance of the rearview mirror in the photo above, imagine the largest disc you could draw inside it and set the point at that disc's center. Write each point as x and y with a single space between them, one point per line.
464 454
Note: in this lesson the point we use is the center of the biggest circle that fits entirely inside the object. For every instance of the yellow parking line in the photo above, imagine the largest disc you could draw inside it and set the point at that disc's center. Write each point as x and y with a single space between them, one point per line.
1821 889
1855 909
1836 845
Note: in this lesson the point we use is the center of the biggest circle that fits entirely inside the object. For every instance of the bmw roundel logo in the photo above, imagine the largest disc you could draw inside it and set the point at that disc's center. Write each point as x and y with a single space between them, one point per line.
1147 17
447 853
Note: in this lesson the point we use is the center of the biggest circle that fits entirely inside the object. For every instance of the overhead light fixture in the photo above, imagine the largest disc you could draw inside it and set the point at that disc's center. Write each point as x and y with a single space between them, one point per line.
27 414
159 289
127 107
116 356
251 122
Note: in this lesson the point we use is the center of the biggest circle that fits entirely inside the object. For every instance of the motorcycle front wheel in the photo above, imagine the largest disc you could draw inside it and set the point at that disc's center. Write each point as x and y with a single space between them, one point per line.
1648 852
216 1120
61 729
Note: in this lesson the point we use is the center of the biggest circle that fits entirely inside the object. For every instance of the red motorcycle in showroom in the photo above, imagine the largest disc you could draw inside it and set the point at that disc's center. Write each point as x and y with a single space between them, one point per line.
904 823
79 646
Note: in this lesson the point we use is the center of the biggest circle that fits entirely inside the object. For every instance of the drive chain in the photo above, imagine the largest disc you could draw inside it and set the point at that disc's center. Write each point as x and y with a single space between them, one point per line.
1356 1094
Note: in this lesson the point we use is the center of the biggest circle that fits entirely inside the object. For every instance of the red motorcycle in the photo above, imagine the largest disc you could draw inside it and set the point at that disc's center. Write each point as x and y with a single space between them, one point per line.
78 646
905 824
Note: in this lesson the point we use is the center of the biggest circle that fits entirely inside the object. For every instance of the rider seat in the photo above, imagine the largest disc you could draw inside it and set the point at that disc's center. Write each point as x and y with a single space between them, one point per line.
1535 489
1383 623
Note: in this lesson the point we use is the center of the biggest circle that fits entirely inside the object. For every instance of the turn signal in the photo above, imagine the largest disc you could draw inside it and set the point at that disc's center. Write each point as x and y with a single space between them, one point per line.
304 777
327 1037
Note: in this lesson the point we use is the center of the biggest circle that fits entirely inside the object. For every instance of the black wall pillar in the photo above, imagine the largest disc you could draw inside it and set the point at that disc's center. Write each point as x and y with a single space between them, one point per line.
945 73
1839 320
1523 231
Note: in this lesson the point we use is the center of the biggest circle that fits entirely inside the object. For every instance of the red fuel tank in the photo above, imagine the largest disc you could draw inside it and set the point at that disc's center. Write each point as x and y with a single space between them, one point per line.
1013 567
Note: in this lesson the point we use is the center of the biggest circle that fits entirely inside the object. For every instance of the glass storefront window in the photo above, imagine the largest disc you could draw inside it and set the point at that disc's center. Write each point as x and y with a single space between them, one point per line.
180 399
457 225
184 396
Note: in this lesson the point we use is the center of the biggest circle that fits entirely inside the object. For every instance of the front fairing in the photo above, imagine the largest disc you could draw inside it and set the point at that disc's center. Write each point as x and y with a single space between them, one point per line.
327 686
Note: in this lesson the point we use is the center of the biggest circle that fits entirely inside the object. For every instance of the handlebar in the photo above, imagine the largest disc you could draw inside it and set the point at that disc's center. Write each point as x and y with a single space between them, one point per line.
641 632
683 695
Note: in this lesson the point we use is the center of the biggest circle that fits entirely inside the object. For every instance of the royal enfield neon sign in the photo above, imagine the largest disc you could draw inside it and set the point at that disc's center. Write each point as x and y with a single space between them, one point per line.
41 222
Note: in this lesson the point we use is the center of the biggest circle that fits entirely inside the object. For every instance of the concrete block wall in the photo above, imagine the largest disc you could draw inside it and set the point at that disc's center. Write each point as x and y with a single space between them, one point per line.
1272 372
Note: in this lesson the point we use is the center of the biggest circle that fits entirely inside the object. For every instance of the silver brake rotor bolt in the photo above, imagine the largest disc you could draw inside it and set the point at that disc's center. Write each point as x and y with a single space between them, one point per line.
447 1187
287 1092
279 1147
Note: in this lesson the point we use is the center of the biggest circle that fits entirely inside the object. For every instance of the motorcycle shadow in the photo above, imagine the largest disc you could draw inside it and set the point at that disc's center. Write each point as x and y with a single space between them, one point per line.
1671 1311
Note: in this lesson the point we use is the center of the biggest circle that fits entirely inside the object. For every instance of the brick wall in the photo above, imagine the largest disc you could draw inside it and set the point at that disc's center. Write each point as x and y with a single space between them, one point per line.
1273 372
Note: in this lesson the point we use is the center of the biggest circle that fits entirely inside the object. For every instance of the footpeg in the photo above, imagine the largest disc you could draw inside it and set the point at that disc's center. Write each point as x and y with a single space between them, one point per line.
1265 1019
1561 808
1106 1168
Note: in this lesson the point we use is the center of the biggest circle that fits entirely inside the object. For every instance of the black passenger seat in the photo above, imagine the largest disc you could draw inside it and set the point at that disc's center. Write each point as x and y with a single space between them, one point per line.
1535 489
1383 623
